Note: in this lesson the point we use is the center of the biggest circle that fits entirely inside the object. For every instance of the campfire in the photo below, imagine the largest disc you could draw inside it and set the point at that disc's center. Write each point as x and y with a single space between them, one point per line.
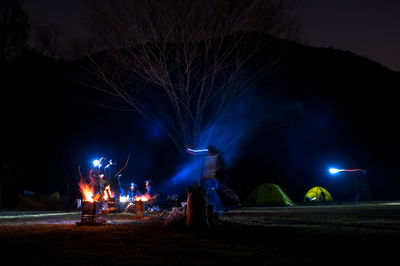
142 198
90 204
87 191
95 205
98 201
109 200
140 204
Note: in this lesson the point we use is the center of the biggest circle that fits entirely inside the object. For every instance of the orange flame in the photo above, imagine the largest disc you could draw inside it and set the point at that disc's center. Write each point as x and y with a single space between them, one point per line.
108 193
86 190
146 197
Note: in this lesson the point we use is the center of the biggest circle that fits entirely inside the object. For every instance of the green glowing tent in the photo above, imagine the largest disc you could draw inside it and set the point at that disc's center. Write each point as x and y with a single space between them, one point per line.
318 194
266 195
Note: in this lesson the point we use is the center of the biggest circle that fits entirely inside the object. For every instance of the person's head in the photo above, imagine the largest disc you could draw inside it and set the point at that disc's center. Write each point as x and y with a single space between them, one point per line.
147 182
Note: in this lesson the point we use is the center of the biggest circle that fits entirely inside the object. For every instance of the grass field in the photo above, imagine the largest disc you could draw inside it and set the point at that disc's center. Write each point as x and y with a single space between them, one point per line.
328 234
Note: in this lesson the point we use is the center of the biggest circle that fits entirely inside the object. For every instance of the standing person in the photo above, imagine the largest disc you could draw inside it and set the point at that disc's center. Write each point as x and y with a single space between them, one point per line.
110 178
97 176
115 186
132 193
212 170
148 187
153 198
213 173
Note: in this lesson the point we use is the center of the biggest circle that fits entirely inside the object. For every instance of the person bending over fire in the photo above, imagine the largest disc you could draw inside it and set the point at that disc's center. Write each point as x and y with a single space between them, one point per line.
153 198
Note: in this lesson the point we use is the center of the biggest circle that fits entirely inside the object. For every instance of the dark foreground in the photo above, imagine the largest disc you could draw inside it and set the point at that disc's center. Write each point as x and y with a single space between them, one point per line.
333 234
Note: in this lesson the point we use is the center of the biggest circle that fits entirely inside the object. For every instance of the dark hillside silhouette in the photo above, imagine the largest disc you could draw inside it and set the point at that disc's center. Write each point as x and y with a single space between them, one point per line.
343 113
346 116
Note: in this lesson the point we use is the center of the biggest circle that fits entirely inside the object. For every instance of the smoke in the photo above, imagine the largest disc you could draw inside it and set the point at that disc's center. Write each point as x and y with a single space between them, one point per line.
249 115
236 124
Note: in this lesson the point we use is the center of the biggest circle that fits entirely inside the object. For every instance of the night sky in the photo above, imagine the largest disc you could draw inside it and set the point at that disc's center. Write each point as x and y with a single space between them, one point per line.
368 28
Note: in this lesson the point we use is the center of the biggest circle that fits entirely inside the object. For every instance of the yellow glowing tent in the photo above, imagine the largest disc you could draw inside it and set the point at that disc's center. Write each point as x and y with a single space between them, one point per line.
318 194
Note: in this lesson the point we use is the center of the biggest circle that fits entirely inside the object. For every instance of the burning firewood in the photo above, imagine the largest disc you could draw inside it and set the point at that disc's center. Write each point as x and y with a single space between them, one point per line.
90 204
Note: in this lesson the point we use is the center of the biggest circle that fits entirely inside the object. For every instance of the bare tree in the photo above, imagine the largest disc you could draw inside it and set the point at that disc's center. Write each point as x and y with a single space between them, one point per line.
181 62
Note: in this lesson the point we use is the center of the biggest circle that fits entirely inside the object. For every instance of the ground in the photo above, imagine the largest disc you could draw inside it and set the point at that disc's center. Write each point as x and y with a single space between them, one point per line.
325 234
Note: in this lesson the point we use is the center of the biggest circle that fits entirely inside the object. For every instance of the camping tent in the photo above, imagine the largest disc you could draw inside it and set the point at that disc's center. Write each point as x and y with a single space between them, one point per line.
268 194
43 202
318 194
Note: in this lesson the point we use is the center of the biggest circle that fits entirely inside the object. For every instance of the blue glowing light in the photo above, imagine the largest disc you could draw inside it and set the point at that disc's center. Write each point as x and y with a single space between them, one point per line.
227 132
109 164
96 163
334 171
201 150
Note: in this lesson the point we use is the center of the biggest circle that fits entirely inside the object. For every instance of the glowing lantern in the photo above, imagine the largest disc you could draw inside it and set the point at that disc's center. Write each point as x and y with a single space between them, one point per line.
333 171
96 163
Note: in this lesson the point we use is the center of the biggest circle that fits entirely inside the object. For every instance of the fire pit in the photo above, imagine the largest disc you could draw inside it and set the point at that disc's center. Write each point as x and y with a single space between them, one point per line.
140 207
90 212
111 204
90 205
141 203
